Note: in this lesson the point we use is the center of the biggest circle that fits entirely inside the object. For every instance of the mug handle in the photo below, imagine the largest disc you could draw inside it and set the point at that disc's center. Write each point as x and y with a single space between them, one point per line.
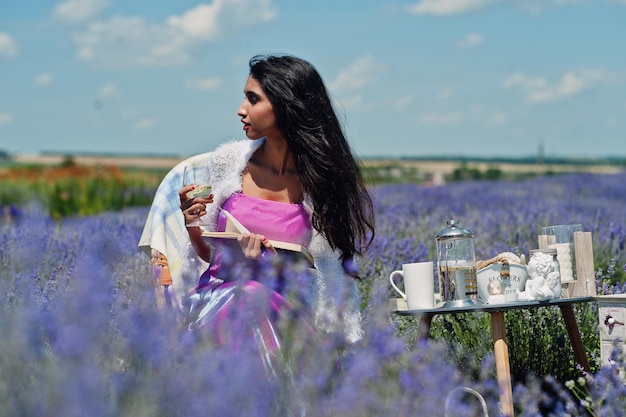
393 284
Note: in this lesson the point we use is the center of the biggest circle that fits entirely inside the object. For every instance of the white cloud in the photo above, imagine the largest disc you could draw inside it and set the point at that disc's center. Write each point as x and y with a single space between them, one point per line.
204 84
5 118
535 7
441 118
145 123
8 48
357 75
402 102
540 90
199 22
445 94
470 40
43 79
125 42
77 11
130 42
611 121
496 118
451 7
351 80
476 114
109 89
357 102
448 7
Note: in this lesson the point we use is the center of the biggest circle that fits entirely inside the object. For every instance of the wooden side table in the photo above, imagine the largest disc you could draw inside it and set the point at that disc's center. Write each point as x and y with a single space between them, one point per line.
498 329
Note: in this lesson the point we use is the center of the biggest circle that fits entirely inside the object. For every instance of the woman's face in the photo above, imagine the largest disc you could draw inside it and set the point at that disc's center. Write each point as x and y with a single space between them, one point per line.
257 113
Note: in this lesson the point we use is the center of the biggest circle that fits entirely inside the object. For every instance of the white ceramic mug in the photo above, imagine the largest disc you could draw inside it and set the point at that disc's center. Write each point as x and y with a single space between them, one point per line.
419 284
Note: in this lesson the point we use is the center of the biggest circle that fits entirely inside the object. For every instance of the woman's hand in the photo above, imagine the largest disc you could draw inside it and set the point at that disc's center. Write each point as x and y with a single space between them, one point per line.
254 245
193 208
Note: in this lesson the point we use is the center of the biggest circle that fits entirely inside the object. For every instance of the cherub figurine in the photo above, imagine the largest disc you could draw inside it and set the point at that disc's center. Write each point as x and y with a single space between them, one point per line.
542 283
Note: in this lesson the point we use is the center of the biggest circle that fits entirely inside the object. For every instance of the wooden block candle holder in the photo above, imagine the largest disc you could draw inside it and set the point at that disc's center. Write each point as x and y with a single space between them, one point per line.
585 281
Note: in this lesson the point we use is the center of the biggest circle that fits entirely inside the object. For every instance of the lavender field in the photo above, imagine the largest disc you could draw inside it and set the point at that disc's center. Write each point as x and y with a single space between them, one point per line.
81 334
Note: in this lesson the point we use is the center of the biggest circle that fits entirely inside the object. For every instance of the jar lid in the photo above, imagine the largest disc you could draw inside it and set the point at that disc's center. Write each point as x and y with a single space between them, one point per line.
454 231
549 251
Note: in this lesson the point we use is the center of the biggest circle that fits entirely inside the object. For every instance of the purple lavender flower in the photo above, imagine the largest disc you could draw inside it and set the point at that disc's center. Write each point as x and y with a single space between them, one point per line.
81 329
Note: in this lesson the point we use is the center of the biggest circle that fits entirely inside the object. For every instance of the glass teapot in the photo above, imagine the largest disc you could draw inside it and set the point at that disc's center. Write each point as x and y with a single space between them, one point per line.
456 265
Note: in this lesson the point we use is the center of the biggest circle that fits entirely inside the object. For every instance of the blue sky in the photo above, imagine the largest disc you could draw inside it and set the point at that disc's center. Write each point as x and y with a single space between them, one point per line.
409 77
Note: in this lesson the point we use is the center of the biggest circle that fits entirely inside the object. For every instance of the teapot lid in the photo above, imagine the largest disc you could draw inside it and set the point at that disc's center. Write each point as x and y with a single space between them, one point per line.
454 231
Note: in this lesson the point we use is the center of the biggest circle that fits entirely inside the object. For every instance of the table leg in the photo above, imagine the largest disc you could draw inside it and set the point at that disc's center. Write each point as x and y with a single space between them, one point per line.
580 355
424 329
503 368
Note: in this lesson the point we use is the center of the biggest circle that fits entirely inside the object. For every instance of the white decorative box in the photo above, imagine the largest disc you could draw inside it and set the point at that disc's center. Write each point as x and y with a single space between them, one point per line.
510 277
612 318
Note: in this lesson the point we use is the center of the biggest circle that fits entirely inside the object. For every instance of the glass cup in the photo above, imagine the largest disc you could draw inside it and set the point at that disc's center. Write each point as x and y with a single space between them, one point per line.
197 176
561 237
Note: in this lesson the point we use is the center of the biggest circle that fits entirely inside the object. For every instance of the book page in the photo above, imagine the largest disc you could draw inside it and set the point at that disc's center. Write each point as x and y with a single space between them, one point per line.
233 231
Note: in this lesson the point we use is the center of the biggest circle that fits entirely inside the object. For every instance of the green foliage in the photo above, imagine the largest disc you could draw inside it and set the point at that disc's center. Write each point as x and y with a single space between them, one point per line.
68 161
71 190
537 340
392 173
468 337
539 343
464 173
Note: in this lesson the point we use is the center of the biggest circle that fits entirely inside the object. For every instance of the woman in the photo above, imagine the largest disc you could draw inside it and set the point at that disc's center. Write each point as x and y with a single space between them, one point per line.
294 180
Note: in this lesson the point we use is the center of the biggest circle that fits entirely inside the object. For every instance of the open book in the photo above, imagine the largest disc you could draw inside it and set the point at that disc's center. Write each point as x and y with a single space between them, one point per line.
234 228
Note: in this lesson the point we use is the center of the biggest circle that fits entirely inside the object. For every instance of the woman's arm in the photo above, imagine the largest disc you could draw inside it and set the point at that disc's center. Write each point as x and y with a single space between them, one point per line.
202 248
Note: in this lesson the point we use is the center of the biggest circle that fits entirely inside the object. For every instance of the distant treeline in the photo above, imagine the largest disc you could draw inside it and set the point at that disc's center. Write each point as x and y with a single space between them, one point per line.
609 160
146 155
531 159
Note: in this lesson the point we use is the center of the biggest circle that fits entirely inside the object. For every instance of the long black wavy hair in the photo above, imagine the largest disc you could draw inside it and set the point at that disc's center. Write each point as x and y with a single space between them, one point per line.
329 172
